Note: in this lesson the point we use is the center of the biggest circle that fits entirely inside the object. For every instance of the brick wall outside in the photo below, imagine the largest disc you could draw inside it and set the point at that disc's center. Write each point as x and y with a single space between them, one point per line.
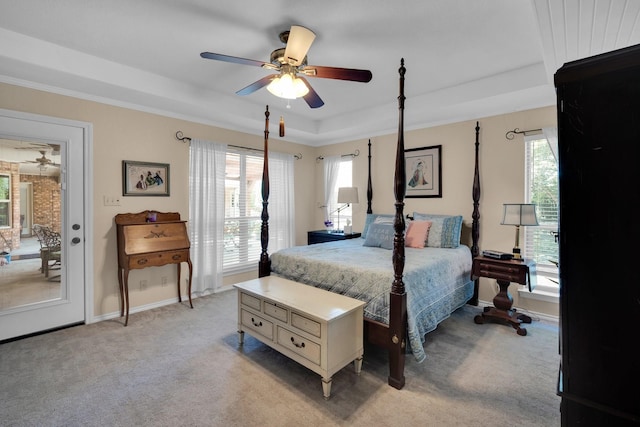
46 203
46 200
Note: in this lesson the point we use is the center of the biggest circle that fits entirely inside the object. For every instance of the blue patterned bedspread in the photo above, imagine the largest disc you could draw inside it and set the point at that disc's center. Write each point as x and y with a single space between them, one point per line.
437 281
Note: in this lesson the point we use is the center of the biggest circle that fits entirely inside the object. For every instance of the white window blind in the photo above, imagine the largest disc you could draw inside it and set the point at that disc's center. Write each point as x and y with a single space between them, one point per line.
243 207
541 181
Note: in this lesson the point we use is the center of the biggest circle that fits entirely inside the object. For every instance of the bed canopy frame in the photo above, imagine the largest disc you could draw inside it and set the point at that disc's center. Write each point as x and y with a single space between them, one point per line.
392 336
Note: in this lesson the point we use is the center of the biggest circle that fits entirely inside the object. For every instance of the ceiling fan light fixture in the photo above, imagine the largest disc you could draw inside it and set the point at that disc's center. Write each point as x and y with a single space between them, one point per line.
288 86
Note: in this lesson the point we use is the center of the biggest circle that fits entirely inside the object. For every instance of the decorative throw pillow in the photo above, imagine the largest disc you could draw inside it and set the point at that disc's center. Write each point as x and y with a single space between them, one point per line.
380 236
445 230
417 234
371 218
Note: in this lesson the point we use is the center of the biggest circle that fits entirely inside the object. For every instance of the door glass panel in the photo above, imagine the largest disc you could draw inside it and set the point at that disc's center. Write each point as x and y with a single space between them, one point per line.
30 223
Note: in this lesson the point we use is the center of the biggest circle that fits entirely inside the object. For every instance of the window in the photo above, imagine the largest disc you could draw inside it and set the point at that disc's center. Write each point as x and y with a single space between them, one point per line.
5 201
541 181
243 207
344 180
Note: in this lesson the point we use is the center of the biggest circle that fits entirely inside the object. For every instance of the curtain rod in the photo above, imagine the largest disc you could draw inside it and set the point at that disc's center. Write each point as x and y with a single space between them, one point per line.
512 133
356 153
180 137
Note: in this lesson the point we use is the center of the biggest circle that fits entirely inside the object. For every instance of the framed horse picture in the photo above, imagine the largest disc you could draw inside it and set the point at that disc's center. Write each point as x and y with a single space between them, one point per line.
145 178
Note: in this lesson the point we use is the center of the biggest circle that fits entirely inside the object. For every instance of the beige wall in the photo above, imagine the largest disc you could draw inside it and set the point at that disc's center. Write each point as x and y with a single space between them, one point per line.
125 134
501 179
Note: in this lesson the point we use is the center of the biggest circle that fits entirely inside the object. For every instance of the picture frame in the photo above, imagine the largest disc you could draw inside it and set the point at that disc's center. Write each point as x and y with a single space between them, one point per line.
145 178
424 171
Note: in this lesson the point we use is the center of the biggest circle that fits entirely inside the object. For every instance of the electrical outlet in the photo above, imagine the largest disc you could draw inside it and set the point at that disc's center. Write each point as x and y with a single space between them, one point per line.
163 280
143 285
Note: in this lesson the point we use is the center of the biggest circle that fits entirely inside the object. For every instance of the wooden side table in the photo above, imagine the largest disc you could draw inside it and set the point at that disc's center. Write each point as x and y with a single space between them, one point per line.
322 236
505 272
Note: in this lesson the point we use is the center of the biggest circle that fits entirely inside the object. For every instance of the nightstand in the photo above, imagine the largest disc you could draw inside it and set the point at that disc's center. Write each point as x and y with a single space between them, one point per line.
322 236
505 272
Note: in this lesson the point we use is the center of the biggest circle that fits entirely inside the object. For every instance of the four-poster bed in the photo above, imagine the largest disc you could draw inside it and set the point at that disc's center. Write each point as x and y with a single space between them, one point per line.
446 273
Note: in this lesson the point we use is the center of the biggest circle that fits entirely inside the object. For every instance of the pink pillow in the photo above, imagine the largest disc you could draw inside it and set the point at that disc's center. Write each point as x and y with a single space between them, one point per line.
417 234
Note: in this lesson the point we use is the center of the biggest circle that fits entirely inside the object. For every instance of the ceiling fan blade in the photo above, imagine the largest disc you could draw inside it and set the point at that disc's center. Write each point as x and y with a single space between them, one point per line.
350 74
312 98
232 59
257 85
298 44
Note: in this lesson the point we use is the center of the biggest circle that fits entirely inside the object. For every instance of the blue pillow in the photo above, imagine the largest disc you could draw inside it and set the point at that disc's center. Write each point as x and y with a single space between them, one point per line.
380 236
371 218
445 229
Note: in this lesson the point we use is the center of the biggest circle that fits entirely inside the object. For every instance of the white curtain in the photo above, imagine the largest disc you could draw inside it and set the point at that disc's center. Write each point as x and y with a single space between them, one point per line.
281 202
331 169
207 163
552 139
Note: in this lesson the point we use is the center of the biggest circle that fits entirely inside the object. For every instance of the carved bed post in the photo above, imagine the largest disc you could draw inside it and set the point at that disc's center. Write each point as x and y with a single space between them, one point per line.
369 186
398 296
264 266
475 226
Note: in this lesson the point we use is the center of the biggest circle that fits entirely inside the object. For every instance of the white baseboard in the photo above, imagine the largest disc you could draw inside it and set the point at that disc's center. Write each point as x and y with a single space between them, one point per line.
157 304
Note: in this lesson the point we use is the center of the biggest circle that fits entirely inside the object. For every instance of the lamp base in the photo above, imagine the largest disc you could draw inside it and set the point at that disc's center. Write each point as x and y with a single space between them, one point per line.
516 253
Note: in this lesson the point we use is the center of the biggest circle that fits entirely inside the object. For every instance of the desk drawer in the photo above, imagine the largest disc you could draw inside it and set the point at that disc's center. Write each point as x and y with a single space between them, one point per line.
258 324
158 258
152 237
299 345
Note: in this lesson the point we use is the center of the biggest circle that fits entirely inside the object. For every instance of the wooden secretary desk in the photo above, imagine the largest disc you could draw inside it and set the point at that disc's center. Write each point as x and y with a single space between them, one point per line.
150 239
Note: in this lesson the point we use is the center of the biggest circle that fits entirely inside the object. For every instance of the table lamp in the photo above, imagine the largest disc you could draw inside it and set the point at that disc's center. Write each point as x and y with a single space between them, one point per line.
346 195
519 214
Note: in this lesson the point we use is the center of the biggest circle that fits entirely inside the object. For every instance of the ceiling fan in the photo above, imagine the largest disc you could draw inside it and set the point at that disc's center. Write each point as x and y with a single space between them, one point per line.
43 161
291 63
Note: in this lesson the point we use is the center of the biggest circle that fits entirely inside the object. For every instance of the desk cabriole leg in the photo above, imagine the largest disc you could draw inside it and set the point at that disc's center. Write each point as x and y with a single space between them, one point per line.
179 296
190 277
126 296
120 273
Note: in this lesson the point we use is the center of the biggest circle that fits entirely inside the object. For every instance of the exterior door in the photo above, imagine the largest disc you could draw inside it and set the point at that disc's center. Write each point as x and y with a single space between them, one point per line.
63 212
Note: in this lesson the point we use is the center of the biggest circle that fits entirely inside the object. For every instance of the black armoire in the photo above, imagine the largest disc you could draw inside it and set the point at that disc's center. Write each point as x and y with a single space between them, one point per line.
599 167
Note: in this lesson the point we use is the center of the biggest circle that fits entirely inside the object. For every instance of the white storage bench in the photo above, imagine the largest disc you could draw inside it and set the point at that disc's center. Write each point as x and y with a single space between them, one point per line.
318 329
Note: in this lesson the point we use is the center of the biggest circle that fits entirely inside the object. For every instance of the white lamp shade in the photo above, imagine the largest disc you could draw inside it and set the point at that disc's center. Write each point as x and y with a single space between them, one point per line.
288 86
519 214
348 195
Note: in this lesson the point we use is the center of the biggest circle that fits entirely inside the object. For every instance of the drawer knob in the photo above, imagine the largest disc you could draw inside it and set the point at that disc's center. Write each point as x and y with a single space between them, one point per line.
301 345
176 257
255 323
142 261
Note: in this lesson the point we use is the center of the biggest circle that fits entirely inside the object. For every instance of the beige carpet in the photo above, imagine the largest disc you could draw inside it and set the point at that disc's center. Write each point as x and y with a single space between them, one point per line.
176 366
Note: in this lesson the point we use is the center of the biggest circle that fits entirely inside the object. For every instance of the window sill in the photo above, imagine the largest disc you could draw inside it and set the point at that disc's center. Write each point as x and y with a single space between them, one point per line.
545 290
539 294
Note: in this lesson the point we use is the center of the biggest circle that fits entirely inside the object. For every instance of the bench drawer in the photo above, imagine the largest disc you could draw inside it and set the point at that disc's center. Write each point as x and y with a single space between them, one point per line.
276 311
250 301
305 324
257 324
299 345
